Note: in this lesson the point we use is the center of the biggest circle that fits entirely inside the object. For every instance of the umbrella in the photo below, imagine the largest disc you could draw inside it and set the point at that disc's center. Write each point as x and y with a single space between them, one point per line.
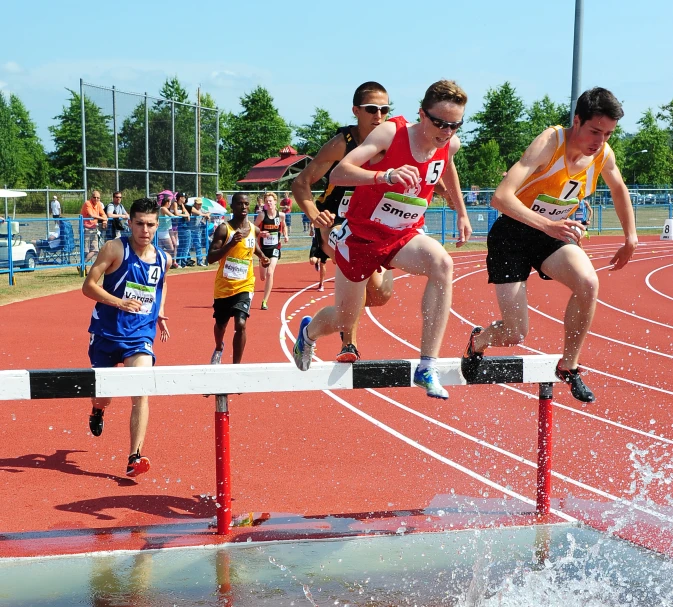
210 206
11 194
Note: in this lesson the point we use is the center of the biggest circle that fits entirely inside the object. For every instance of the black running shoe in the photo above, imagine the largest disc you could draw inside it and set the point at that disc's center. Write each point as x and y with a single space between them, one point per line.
578 388
349 354
96 422
471 359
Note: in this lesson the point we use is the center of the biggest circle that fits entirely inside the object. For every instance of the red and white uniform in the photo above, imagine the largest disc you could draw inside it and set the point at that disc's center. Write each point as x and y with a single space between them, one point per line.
376 226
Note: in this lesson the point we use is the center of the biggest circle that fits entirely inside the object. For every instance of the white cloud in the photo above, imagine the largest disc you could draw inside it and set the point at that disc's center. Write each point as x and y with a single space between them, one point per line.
12 67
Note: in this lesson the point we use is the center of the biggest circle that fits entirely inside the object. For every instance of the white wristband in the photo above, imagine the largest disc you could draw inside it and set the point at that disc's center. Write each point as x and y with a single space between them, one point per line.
388 176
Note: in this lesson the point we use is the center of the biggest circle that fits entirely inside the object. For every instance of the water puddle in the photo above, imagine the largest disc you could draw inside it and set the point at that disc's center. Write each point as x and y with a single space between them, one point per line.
559 565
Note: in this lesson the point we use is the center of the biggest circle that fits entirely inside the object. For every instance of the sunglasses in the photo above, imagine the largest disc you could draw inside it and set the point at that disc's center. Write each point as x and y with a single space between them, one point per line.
443 124
372 108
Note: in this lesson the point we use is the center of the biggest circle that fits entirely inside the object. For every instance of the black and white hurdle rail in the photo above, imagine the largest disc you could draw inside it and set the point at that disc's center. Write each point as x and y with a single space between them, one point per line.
224 380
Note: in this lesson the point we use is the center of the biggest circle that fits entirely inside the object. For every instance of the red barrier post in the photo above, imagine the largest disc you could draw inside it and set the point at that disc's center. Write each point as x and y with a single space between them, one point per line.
544 449
222 464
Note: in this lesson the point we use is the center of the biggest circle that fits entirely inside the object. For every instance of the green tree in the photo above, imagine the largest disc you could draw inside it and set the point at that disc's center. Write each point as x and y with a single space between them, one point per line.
33 169
316 134
255 134
9 148
502 119
649 159
66 159
488 165
545 113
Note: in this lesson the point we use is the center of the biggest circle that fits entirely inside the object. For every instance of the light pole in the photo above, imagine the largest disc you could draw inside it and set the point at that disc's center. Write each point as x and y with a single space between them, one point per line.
634 166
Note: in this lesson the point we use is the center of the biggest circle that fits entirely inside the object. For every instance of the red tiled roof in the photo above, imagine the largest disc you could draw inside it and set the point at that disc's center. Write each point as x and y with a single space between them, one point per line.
272 169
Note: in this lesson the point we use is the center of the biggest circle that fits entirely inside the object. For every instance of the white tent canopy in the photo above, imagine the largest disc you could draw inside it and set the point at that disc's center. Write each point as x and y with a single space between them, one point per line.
11 194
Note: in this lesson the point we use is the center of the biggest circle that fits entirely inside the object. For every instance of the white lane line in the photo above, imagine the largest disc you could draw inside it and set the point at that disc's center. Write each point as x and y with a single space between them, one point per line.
520 459
647 281
610 422
406 439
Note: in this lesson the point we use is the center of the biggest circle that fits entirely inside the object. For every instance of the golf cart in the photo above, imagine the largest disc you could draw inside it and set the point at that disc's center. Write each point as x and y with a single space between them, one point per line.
24 254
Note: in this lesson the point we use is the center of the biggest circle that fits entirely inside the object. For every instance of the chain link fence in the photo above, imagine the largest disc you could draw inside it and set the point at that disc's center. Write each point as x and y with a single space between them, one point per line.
143 145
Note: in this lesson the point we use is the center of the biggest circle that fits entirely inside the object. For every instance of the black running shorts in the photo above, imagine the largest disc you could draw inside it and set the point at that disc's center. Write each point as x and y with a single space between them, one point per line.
237 305
515 248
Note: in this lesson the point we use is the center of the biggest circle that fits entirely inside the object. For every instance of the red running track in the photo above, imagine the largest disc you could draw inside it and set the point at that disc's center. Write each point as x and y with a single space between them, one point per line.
368 452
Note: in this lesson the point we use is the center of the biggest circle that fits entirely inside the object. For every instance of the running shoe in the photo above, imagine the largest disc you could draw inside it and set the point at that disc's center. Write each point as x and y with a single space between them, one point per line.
138 464
578 388
303 352
321 288
471 360
216 358
317 267
96 421
428 378
349 354
202 263
264 306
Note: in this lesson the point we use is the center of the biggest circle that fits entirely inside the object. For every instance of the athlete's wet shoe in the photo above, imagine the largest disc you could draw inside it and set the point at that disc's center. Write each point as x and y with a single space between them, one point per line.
138 464
96 422
471 359
216 358
349 354
264 306
429 379
578 388
303 352
321 288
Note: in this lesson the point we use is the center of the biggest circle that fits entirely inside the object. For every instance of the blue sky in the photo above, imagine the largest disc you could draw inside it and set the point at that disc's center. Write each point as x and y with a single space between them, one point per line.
315 54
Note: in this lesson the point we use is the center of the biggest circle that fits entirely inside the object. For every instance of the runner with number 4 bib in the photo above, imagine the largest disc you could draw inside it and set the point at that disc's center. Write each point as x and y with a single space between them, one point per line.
272 224
536 198
233 246
395 171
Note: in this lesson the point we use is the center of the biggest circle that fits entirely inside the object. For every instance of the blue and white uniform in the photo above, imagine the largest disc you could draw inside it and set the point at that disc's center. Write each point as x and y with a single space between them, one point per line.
117 334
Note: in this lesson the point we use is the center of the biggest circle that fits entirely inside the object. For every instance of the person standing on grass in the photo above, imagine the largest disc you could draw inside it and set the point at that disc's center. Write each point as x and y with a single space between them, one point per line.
536 198
93 213
130 305
318 258
234 243
286 208
55 207
395 171
273 226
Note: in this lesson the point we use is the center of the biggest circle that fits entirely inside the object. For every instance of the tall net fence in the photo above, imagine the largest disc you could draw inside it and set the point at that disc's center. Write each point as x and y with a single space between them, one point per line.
143 145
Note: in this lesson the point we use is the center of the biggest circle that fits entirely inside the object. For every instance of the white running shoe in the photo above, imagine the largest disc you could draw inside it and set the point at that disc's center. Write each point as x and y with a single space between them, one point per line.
429 379
303 352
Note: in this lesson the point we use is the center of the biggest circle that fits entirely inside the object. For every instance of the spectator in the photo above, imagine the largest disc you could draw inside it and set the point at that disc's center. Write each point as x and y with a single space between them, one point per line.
51 242
55 207
117 215
306 223
164 229
286 207
259 207
93 213
221 200
197 225
180 213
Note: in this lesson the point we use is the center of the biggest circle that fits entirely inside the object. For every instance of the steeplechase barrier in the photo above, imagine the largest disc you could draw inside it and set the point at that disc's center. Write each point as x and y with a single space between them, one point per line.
223 381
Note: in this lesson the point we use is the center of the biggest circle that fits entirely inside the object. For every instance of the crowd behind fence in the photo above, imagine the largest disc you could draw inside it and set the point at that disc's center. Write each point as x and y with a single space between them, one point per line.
40 244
